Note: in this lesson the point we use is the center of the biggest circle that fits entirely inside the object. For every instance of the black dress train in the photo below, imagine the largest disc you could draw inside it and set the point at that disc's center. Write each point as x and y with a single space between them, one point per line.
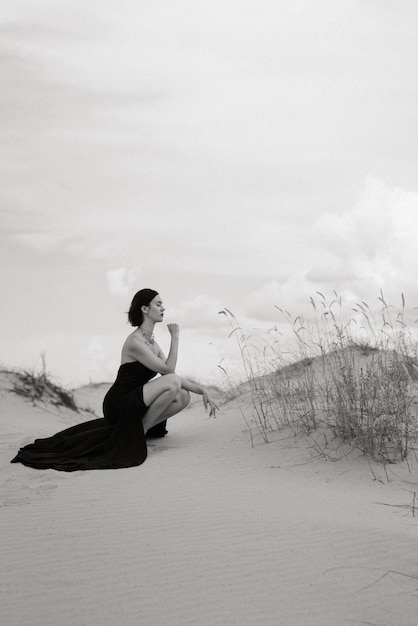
116 440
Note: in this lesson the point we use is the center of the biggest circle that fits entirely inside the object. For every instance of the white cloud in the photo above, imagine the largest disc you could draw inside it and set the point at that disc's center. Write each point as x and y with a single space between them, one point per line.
38 241
215 133
373 246
121 280
87 358
293 293
200 312
99 360
369 248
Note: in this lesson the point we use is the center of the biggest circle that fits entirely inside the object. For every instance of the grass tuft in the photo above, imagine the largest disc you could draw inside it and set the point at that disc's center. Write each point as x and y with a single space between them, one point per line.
39 387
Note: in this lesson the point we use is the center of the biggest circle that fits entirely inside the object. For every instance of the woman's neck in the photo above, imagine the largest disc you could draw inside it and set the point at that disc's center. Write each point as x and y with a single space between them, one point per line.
147 327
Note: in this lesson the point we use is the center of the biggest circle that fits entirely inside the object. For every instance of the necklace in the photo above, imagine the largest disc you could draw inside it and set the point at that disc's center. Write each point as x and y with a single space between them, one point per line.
148 338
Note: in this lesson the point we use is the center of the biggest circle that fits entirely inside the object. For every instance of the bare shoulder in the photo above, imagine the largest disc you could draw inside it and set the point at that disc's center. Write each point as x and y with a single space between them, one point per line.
130 340
132 344
136 348
136 345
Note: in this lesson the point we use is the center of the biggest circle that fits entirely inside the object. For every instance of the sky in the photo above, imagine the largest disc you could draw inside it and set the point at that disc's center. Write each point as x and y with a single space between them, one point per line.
237 153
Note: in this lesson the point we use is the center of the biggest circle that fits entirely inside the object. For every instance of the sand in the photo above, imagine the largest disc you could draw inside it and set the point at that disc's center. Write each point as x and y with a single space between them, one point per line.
208 531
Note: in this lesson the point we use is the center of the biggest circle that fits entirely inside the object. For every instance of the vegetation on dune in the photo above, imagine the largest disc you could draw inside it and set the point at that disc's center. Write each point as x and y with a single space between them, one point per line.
351 378
39 387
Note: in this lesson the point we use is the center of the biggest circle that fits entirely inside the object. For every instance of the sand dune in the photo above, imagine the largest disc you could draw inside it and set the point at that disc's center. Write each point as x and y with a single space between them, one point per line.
208 531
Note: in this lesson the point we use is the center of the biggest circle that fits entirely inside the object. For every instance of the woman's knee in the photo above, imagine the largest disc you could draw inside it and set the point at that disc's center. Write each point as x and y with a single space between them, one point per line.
179 403
184 398
172 382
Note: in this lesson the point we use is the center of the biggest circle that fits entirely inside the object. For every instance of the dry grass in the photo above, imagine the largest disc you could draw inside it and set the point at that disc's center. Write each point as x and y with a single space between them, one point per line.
39 387
352 377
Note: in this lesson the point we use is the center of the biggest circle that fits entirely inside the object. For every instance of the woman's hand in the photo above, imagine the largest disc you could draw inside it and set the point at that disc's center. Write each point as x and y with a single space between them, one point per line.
210 403
173 329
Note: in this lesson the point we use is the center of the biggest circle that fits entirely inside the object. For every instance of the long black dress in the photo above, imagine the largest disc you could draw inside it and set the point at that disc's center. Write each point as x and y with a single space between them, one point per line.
116 440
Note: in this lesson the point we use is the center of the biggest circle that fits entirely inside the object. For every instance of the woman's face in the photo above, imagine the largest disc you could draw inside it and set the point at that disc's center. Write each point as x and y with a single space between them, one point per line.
156 309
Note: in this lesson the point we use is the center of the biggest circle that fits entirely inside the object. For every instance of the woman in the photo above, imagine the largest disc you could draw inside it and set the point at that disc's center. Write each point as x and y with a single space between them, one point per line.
133 406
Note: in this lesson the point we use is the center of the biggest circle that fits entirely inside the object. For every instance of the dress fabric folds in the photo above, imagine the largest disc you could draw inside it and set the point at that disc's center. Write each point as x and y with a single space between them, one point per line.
116 440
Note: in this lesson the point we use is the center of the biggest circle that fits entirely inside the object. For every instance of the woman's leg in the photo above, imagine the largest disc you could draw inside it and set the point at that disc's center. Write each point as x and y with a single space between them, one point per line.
180 402
164 398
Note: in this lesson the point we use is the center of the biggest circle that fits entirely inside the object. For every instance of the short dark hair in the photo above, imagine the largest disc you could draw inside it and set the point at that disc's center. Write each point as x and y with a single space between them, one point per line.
140 299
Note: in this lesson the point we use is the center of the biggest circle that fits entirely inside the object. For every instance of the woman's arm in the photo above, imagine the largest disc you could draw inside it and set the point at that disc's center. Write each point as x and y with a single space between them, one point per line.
208 401
171 360
138 350
189 385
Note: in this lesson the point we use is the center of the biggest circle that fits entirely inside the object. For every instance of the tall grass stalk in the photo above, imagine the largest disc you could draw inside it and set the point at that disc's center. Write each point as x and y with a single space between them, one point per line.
251 350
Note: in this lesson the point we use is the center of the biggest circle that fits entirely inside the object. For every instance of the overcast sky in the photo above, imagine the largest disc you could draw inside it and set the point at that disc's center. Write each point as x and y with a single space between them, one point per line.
227 153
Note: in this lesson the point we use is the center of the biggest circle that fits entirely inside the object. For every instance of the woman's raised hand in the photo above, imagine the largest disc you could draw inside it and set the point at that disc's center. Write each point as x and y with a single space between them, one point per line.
173 329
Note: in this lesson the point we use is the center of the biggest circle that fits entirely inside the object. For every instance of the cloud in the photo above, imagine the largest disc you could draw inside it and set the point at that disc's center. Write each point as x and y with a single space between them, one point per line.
374 245
223 123
369 248
99 360
262 303
200 312
121 280
42 242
